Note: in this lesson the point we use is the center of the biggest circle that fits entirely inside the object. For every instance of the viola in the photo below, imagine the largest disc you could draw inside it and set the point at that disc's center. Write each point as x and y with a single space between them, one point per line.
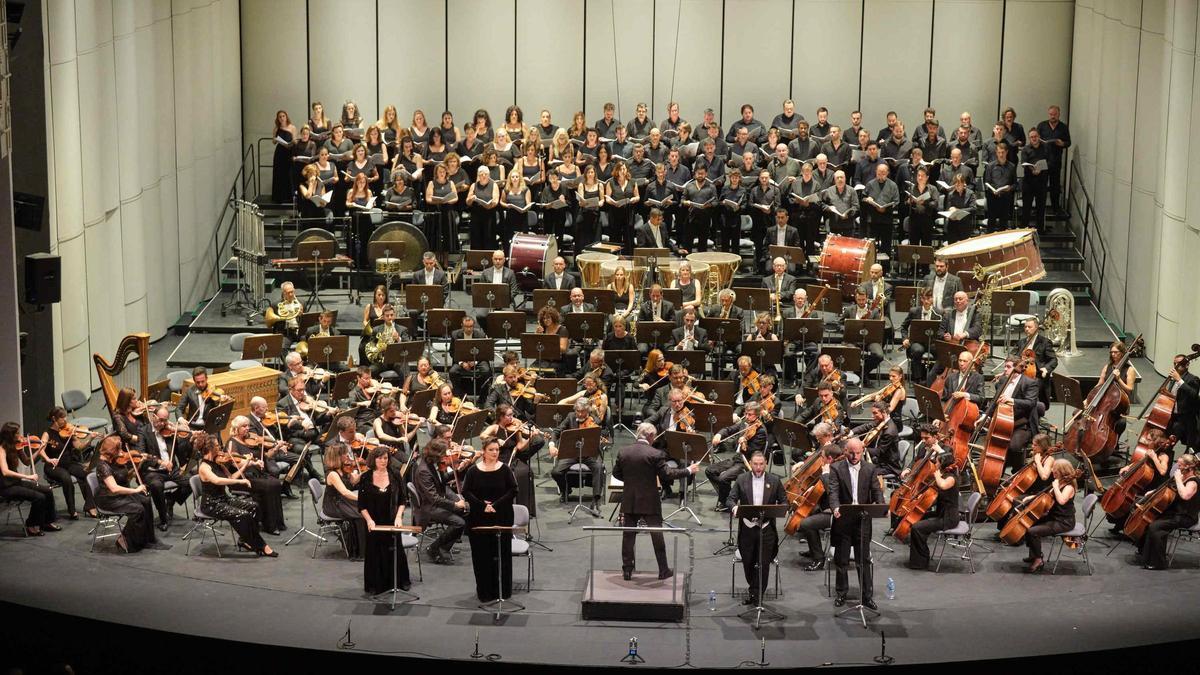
1119 499
1149 508
1093 429
685 419
1014 488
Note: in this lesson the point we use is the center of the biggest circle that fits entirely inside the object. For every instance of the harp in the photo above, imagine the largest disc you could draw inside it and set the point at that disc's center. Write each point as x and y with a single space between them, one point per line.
127 368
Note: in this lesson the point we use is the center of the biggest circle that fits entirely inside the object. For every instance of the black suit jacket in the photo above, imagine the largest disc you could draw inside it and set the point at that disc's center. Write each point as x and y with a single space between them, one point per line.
147 440
439 279
885 450
569 281
700 334
743 492
953 285
508 277
643 238
791 236
787 287
313 330
638 465
869 491
974 324
974 386
914 314
1025 401
456 335
646 313
1043 352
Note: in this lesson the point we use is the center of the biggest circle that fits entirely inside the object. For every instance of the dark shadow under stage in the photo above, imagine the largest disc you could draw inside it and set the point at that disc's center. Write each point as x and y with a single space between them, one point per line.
296 601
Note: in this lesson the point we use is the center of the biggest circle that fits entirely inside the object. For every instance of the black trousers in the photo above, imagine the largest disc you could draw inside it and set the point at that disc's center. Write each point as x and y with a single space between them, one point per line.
811 528
881 229
483 229
722 474
587 229
455 524
758 234
62 474
918 538
920 227
41 502
1033 201
851 532
561 474
731 232
492 563
808 222
748 546
699 227
156 482
1015 458
999 211
916 362
1033 537
470 381
628 539
1153 545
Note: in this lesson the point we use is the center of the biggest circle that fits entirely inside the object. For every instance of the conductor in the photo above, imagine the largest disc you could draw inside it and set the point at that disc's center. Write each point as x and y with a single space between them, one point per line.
756 488
638 465
853 482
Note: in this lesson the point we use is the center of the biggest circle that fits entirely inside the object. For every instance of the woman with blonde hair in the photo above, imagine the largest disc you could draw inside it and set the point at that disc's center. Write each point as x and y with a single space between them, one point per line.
516 201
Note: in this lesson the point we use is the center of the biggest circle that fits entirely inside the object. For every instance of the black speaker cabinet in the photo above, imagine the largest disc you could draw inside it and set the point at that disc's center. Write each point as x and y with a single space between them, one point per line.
43 279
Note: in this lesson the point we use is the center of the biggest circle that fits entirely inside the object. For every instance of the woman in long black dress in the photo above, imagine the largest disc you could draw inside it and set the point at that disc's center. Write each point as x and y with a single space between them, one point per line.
24 486
489 488
114 494
381 502
281 169
266 490
1061 517
340 500
240 512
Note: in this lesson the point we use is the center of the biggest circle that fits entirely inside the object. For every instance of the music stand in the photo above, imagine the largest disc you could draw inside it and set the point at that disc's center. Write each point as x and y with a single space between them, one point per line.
846 358
538 347
1068 392
923 332
908 298
831 302
686 358
1013 302
557 388
685 448
863 332
711 417
507 325
728 331
584 326
791 434
863 512
550 415
258 346
716 391
766 351
754 300
586 443
403 353
309 319
655 333
912 254
331 349
479 350
316 250
490 296
425 296
342 384
929 403
441 322
641 254
762 512
477 261
623 362
468 425
946 353
794 255
500 530
398 531
673 296
603 299
549 297
217 419
422 401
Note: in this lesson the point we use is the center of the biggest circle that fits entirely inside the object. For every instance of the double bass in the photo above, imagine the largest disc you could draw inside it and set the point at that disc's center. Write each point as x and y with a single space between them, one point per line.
999 434
1161 409
1093 428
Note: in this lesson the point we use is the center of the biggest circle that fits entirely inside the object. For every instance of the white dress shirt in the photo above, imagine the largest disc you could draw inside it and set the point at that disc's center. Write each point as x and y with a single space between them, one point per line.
854 482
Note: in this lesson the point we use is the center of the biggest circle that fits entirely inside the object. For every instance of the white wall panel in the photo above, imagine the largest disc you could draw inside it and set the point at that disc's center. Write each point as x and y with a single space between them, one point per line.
423 27
757 39
687 51
481 59
342 55
627 60
275 72
825 61
550 57
966 60
895 69
1037 57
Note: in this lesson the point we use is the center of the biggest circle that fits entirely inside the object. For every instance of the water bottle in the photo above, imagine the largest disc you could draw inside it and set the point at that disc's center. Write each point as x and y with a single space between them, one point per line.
712 601
891 589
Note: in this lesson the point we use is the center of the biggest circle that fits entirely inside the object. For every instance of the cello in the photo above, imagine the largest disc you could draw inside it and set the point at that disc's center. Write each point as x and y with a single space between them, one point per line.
1119 499
1148 509
920 475
926 497
809 488
962 414
1093 428
1161 409
1015 487
979 351
1029 514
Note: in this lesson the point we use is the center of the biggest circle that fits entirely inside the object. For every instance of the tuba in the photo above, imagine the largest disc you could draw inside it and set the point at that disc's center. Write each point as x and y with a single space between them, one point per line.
285 311
384 336
1060 322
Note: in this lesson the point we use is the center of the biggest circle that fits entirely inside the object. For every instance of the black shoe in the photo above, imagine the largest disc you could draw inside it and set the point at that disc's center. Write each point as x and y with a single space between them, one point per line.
919 568
870 604
273 533
1027 559
815 566
405 587
839 600
562 499
627 575
749 601
666 574
51 527
272 554
162 527
721 508
808 554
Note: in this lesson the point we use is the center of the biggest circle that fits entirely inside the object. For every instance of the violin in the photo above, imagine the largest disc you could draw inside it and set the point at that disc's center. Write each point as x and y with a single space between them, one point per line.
685 419
664 369
363 445
767 408
1120 498
276 418
74 430
525 390
588 423
127 456
33 443
172 431
142 407
211 392
453 456
751 383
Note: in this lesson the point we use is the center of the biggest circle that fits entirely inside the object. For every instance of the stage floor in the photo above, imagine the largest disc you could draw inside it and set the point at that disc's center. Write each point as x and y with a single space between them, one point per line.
298 601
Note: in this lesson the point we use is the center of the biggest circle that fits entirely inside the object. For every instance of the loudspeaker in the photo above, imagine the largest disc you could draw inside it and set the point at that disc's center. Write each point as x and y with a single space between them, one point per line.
43 279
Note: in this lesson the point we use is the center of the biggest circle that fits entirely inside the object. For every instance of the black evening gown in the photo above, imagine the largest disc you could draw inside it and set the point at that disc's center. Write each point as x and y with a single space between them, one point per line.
378 574
281 171
239 511
498 487
139 514
353 527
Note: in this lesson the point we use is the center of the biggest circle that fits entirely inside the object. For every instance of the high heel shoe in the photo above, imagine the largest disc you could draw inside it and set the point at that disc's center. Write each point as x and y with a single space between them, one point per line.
1036 566
270 554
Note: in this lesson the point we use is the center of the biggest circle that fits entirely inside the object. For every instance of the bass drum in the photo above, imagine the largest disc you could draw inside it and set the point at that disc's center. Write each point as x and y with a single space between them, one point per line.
1012 254
845 263
531 256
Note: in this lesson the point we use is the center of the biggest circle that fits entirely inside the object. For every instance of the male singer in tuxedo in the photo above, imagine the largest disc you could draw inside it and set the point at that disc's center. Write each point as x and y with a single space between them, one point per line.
756 488
853 481
641 467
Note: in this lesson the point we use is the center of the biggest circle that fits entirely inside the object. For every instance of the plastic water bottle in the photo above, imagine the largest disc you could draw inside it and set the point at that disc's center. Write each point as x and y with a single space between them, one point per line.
891 589
712 601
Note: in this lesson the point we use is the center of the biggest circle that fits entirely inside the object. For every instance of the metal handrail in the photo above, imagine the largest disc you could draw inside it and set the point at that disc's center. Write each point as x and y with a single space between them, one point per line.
223 231
1089 234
